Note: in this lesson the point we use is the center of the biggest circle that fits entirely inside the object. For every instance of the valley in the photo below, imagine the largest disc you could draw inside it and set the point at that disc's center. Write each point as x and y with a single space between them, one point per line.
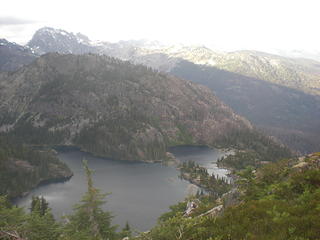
248 81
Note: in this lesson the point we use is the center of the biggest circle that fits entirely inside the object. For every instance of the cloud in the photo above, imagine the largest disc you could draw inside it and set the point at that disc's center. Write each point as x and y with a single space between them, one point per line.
9 21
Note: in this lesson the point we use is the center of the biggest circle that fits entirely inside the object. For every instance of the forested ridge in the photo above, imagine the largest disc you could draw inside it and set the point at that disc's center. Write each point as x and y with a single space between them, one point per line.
110 108
23 168
251 148
289 114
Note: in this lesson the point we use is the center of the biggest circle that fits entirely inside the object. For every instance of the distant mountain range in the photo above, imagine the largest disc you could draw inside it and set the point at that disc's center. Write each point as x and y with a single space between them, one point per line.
278 94
301 74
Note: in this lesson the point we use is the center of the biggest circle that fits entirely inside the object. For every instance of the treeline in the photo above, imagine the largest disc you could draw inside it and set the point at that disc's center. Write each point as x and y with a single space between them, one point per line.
22 168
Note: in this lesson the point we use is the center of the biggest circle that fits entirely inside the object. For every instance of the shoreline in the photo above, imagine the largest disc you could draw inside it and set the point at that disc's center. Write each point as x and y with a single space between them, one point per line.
170 160
43 182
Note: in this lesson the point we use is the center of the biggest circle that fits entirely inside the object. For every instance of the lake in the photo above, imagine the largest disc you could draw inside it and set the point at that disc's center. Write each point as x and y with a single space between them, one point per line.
140 192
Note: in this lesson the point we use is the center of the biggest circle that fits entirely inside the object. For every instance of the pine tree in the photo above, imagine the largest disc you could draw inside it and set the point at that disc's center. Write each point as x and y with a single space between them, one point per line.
11 217
39 227
40 222
126 231
89 221
39 205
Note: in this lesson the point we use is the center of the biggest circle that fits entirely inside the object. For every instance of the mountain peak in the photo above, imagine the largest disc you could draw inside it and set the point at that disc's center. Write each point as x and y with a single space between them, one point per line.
50 30
48 39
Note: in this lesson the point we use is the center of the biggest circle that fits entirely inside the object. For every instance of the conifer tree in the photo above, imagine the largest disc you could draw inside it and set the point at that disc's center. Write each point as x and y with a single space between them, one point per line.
39 205
89 221
126 231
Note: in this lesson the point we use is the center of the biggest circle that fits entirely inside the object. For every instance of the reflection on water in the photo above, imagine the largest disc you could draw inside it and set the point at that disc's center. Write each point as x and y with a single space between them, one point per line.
140 192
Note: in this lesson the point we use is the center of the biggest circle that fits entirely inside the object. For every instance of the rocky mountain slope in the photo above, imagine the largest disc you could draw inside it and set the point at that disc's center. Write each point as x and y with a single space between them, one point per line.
110 108
291 115
297 73
56 40
300 74
279 95
271 91
14 56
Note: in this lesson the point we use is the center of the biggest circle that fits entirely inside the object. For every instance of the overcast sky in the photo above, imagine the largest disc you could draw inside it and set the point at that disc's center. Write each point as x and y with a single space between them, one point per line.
226 24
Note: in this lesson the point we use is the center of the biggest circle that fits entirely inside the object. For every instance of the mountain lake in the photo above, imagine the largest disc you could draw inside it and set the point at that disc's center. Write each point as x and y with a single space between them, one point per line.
139 192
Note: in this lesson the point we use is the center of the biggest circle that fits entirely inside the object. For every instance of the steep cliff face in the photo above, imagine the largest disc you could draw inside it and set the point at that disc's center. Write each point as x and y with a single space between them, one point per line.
110 108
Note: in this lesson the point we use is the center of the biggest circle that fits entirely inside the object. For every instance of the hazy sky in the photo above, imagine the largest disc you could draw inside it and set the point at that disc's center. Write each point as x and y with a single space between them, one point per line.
228 24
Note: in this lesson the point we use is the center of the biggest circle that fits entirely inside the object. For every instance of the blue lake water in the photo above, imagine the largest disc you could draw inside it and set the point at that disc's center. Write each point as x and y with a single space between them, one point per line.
140 192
